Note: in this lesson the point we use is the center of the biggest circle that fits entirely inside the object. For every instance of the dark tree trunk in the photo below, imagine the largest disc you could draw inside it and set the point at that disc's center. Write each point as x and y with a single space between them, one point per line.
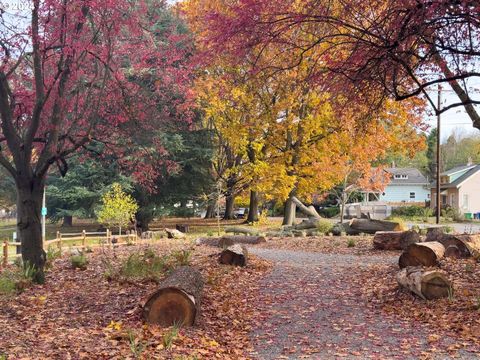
253 207
29 203
143 218
67 220
229 203
289 214
210 214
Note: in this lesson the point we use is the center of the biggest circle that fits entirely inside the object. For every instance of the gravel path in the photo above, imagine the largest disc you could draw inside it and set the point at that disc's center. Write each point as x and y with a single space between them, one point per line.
313 309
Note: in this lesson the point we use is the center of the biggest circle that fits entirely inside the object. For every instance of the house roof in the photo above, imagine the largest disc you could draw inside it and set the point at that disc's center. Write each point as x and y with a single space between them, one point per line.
455 184
457 169
415 177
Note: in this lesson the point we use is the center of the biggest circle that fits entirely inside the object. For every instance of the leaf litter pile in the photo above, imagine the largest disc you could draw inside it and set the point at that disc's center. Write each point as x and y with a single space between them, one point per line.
454 322
95 314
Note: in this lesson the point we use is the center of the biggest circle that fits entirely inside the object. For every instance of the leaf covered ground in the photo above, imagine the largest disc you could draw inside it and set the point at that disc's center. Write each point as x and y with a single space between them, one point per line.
82 314
454 322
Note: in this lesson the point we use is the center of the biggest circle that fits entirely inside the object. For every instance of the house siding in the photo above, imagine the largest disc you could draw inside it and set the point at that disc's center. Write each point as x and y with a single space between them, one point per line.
401 193
471 188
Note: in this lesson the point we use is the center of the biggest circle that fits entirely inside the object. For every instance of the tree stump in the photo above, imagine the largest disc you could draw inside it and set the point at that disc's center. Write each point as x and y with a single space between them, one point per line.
428 284
395 240
177 300
435 234
422 254
234 255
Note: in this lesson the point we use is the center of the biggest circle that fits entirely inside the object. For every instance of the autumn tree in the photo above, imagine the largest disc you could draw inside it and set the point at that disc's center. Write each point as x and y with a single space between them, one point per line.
398 49
65 79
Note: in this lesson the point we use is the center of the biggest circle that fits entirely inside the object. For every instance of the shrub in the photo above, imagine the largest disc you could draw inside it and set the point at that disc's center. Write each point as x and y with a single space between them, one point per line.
400 221
182 257
143 266
7 283
329 212
79 261
15 280
324 226
448 229
409 211
338 229
351 243
416 228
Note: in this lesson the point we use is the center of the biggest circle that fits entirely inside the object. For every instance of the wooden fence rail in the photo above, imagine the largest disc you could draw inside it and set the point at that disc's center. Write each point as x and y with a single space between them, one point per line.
86 240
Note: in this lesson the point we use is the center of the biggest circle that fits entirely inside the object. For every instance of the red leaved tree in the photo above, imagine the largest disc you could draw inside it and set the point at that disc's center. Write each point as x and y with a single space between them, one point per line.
73 72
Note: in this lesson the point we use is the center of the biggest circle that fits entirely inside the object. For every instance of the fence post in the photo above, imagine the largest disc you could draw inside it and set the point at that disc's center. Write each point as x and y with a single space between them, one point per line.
5 254
108 237
84 239
59 243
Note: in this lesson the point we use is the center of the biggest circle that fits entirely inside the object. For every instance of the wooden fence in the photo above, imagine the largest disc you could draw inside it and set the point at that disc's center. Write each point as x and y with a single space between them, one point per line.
65 240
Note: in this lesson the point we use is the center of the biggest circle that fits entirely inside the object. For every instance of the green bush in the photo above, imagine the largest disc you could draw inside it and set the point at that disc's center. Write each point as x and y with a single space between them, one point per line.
324 226
181 257
79 261
351 243
329 212
7 283
411 211
17 279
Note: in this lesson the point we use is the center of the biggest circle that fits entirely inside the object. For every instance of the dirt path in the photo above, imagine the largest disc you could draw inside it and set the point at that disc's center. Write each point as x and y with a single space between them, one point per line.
313 308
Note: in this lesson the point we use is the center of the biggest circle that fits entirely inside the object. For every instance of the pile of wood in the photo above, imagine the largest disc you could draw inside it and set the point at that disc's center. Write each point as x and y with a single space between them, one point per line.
428 283
177 299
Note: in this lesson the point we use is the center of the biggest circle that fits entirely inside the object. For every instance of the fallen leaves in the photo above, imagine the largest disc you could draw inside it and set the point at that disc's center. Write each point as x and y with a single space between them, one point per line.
84 315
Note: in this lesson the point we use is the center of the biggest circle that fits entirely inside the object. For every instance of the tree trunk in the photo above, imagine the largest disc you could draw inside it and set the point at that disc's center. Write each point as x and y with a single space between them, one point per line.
241 230
422 254
461 246
229 203
253 207
395 240
289 214
234 255
210 213
29 204
177 301
371 226
310 211
67 220
428 284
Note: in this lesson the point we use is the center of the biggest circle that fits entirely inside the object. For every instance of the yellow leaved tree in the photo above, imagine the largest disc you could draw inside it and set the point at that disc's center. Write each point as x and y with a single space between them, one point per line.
117 209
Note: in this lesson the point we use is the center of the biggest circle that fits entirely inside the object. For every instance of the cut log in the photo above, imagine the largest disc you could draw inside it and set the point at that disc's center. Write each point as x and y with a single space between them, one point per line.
174 234
395 240
229 240
422 254
234 255
241 230
177 300
461 246
371 226
428 284
309 211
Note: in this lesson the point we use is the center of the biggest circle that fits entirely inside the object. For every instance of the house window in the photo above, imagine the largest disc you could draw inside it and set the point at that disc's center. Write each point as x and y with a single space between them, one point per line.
412 195
400 176
452 199
465 201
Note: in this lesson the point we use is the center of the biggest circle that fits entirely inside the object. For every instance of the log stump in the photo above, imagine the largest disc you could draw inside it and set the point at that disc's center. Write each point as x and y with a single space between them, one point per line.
422 254
177 300
461 246
234 255
395 240
229 240
427 284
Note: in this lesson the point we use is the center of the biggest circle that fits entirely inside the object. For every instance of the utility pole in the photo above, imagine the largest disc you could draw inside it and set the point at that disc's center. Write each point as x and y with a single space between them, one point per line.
439 99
